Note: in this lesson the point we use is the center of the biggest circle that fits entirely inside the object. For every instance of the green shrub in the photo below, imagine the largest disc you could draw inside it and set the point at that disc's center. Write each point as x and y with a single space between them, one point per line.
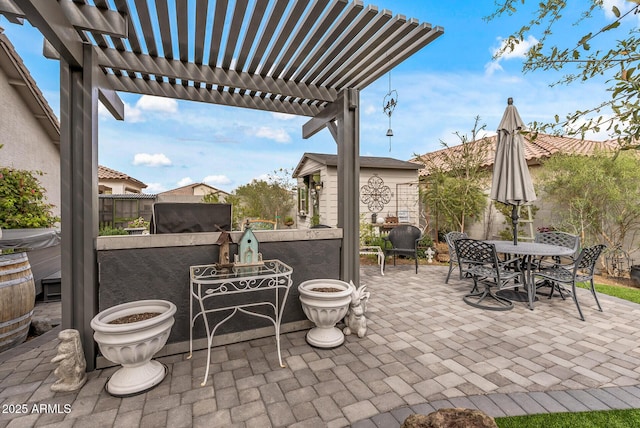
23 201
107 230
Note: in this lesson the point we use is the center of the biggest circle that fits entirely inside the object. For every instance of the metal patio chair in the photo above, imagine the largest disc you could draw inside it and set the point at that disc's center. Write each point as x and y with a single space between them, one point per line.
403 240
451 237
487 269
582 271
561 239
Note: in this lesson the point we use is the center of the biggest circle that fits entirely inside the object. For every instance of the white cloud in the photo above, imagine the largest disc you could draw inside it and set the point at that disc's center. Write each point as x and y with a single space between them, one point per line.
216 179
519 51
278 135
622 5
185 181
132 114
159 104
154 188
283 116
147 159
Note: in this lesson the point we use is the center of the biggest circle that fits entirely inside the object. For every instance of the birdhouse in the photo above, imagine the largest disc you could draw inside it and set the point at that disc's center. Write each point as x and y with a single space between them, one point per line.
248 249
223 241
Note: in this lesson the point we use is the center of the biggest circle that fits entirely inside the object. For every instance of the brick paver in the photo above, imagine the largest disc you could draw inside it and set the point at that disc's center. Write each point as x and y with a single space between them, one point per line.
425 349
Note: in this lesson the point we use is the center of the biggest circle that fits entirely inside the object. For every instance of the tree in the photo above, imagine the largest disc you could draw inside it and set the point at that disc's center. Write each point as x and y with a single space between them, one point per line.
266 199
453 190
586 57
599 196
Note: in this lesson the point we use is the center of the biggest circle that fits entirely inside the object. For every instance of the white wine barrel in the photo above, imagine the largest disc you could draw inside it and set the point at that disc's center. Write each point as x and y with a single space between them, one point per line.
17 299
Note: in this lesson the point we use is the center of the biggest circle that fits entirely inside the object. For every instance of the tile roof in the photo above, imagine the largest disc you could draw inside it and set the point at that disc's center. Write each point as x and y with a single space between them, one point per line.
105 173
365 162
542 147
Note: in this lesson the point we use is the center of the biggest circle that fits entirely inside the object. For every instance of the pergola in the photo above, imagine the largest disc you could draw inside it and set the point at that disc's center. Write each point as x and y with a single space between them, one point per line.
302 57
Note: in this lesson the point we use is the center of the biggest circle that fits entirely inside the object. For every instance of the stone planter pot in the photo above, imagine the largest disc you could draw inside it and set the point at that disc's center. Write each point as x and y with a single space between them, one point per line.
325 309
133 344
135 230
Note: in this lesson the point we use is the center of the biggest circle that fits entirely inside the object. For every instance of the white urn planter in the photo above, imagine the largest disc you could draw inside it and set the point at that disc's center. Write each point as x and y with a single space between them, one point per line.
133 344
325 309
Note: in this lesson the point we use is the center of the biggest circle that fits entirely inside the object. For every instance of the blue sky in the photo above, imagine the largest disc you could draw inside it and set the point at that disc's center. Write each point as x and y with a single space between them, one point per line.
441 89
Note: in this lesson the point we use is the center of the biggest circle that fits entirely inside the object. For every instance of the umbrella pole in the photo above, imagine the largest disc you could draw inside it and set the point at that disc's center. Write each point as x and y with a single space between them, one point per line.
514 222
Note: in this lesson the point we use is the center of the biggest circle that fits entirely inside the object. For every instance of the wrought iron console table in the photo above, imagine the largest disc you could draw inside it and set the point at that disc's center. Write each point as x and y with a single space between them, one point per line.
210 281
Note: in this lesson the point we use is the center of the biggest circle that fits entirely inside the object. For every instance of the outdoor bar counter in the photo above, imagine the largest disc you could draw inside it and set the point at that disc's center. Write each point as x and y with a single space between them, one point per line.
139 267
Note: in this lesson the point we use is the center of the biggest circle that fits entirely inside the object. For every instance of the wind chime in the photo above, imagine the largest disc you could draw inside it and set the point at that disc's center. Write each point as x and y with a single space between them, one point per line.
388 105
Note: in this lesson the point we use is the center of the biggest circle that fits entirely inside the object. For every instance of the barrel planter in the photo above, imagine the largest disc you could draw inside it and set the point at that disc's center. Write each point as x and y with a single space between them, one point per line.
17 299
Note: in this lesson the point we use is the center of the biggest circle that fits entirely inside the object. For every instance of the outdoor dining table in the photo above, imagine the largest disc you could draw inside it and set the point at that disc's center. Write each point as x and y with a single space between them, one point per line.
529 251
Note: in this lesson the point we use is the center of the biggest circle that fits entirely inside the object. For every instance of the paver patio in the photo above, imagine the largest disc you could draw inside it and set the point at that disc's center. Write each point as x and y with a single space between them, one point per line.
425 349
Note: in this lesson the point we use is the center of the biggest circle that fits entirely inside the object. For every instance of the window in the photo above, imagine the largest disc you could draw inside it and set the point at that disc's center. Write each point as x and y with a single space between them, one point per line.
303 198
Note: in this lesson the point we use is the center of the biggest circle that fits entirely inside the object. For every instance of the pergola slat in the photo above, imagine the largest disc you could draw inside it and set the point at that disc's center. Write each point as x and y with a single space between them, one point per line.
134 40
267 34
361 21
234 32
327 40
165 28
284 33
378 69
302 31
147 28
344 76
216 33
314 38
147 64
259 9
202 7
363 38
362 55
182 19
190 93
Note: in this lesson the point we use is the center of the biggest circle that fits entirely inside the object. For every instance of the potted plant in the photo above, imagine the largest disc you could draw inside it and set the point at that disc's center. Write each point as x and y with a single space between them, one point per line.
442 252
137 226
26 219
288 221
130 334
325 302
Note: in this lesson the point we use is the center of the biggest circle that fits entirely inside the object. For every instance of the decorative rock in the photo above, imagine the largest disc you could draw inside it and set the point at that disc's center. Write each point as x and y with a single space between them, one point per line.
430 253
450 418
71 371
40 327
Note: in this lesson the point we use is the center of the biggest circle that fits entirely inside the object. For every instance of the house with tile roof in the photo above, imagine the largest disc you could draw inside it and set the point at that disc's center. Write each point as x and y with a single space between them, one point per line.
29 129
193 192
388 188
537 150
112 182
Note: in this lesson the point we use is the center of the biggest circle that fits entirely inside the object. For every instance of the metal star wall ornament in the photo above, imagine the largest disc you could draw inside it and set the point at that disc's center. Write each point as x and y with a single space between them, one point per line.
375 194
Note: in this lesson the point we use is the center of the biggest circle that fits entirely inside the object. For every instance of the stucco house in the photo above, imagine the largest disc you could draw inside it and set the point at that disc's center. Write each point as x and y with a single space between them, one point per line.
536 151
191 193
388 188
29 129
112 182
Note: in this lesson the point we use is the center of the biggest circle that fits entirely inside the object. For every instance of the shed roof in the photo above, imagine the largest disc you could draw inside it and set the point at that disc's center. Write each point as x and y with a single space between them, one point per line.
20 79
535 150
365 162
276 55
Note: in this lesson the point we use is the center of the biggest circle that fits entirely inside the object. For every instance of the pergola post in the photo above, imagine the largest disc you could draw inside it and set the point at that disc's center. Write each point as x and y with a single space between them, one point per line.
349 183
79 197
345 111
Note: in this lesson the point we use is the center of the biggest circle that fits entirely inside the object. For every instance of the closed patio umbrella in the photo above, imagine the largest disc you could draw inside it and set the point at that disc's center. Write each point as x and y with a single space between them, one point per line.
511 182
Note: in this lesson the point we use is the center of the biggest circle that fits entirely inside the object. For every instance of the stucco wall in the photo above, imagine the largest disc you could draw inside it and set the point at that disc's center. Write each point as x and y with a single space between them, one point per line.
26 144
